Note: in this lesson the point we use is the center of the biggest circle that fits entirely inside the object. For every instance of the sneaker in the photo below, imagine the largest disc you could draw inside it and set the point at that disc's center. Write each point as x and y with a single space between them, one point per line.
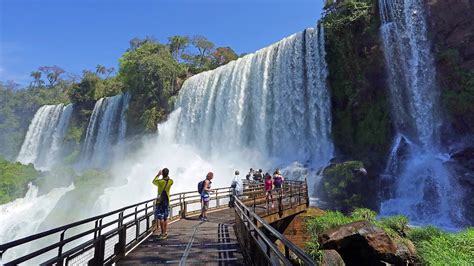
200 217
163 236
204 219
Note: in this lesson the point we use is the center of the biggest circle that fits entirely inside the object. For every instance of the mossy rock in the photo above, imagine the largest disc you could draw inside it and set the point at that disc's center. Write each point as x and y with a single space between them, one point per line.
344 185
362 128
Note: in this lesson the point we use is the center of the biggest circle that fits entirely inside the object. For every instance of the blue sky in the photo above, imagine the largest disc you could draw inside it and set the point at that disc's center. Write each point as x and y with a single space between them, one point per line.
78 35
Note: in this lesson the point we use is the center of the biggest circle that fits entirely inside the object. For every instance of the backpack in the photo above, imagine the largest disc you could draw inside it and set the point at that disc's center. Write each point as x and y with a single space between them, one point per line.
201 186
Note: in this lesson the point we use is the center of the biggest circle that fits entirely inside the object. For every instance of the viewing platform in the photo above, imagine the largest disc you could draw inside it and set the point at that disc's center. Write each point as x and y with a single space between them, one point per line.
245 232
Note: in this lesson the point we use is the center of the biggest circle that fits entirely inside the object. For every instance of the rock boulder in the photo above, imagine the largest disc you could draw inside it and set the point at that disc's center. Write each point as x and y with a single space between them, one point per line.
362 243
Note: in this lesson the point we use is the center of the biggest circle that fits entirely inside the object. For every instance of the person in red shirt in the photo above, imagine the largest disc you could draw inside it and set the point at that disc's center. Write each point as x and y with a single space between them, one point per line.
269 188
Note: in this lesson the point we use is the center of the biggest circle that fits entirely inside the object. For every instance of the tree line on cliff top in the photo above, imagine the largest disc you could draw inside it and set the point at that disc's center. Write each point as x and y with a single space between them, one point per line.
150 70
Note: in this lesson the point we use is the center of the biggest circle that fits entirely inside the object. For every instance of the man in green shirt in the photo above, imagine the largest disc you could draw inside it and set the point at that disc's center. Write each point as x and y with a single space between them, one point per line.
163 200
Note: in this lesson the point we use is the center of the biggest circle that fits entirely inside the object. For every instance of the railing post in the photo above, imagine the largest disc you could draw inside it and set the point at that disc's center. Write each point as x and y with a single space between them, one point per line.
185 208
217 199
254 203
99 252
119 249
146 216
60 249
287 252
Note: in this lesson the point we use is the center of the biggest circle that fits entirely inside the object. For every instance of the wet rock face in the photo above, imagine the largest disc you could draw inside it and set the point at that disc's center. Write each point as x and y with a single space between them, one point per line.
345 185
463 163
451 25
362 243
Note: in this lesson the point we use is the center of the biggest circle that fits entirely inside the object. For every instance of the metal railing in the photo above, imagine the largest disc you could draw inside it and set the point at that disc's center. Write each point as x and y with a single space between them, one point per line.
292 193
106 238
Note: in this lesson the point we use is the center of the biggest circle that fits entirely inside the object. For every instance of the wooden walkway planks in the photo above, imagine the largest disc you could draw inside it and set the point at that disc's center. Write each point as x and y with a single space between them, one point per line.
191 241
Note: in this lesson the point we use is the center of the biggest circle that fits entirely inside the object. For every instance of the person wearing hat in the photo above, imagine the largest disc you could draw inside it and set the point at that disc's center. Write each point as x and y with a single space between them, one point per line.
205 197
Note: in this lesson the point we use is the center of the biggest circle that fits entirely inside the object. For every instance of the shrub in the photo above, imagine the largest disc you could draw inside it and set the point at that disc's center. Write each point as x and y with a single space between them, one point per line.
452 249
312 248
364 214
394 224
424 233
327 221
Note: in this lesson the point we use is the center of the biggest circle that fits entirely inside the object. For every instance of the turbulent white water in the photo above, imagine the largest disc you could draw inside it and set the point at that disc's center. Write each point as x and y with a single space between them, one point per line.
22 217
265 109
425 189
107 127
43 141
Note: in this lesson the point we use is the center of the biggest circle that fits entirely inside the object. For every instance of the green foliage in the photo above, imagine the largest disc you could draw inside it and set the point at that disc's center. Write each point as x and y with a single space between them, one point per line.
416 235
150 73
347 13
312 249
361 126
17 108
14 179
394 224
342 186
434 247
457 91
327 221
364 214
222 56
448 249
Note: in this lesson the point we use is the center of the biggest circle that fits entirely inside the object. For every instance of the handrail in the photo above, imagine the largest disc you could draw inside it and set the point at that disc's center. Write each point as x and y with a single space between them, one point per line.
111 232
177 200
251 219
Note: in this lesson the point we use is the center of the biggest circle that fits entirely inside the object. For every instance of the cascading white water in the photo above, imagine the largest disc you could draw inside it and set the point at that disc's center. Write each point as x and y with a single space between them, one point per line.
265 109
43 141
425 189
22 217
274 101
107 127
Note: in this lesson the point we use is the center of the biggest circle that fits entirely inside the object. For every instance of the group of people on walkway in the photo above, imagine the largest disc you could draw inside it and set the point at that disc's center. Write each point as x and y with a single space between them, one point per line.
163 182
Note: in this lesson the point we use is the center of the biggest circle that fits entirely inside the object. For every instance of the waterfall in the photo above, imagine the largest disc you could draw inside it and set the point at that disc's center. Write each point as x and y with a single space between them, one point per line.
267 109
425 189
274 101
22 217
43 141
107 127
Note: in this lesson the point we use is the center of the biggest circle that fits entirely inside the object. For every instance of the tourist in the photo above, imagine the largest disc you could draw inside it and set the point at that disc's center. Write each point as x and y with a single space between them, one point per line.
250 174
235 185
258 176
163 200
204 190
278 179
268 189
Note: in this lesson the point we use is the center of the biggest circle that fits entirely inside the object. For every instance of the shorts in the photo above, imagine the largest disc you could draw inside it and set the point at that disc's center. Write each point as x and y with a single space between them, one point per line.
278 186
205 203
162 212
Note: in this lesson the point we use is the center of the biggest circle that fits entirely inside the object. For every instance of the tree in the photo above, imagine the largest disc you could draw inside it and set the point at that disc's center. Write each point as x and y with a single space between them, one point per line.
136 43
100 70
177 45
84 91
222 56
110 70
150 73
52 73
204 47
36 75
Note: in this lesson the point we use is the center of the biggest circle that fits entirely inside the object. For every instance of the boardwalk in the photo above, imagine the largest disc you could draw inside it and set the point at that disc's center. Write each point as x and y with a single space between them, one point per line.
191 242
232 236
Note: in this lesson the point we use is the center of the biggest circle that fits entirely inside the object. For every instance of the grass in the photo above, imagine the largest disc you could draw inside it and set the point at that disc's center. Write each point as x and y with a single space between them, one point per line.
434 246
